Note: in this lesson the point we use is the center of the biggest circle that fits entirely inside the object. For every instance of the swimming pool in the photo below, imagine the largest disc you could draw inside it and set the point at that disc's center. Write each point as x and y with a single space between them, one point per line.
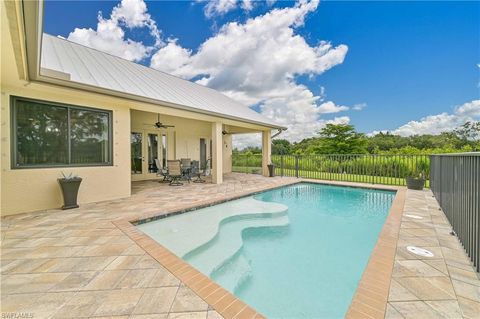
294 252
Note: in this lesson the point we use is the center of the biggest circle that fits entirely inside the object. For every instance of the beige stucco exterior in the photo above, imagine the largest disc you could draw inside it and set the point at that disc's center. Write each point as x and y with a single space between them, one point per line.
183 141
24 190
267 151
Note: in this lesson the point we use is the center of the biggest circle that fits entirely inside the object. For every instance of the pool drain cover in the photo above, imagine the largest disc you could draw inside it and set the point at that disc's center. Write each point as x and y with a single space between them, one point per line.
413 216
420 251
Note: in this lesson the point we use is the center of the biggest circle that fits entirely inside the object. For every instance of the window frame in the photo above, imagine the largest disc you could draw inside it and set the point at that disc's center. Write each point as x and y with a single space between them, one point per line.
13 134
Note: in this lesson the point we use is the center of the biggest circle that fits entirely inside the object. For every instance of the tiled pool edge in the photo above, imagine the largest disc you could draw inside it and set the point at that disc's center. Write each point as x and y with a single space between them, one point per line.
224 302
229 306
371 297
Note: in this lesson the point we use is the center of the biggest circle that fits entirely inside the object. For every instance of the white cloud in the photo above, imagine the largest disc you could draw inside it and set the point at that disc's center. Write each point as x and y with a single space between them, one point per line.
330 107
256 63
109 35
432 124
247 5
171 57
215 8
359 106
469 109
219 7
339 120
438 123
373 133
240 141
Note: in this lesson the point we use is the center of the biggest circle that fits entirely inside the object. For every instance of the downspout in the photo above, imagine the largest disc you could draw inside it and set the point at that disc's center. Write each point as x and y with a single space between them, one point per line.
278 133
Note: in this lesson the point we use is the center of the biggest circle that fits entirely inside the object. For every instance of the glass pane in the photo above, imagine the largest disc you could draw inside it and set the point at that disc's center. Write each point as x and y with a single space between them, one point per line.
152 153
42 134
164 150
89 137
203 153
211 154
136 151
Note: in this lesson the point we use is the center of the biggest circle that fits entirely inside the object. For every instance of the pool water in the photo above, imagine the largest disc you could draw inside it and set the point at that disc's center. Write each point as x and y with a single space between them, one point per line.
294 252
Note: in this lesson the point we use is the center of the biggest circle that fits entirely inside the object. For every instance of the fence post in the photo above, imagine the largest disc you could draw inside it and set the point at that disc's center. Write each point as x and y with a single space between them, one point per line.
281 165
296 166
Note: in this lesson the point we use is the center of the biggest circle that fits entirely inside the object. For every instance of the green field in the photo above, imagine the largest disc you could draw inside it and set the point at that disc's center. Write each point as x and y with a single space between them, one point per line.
386 180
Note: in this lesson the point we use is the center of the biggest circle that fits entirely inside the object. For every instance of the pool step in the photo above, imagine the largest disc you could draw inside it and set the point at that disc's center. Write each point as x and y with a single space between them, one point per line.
233 273
229 241
186 232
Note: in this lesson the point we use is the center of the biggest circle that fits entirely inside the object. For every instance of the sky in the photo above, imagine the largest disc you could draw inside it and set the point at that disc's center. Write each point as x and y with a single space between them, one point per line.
405 67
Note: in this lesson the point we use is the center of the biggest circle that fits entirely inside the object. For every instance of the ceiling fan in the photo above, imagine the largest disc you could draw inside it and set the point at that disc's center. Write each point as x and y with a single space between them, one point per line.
159 124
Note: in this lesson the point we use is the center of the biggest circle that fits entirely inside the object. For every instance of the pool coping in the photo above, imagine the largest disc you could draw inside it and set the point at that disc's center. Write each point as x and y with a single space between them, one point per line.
371 295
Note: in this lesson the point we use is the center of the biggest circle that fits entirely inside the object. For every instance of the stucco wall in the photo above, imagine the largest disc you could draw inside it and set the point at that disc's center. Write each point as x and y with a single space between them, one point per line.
33 189
186 134
227 153
184 138
24 190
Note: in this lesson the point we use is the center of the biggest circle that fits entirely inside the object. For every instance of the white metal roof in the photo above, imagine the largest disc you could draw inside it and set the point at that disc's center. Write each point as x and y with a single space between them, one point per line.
98 69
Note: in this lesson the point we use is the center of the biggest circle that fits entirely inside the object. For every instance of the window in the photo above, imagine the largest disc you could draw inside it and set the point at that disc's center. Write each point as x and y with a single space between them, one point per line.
89 140
48 134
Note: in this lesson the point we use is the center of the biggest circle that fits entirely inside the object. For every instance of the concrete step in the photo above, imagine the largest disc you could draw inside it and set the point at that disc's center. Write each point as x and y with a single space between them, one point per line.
233 273
229 241
186 232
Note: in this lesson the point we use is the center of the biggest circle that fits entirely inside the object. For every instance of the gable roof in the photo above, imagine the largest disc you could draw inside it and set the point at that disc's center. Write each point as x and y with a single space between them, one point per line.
91 67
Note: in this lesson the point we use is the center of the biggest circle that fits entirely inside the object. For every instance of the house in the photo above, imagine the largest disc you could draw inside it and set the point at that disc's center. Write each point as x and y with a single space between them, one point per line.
69 108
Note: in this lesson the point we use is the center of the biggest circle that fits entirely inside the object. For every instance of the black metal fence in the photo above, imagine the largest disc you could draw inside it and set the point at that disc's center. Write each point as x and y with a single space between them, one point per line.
455 182
362 168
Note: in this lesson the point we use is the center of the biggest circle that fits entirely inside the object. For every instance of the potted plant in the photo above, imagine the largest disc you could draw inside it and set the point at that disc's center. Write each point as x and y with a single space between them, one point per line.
271 170
416 181
70 185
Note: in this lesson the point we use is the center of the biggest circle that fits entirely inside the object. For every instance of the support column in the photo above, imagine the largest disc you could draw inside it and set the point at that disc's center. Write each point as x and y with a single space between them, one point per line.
217 152
266 151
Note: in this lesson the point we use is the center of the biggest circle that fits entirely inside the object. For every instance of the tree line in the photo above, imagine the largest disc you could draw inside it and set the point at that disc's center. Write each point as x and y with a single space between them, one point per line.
344 139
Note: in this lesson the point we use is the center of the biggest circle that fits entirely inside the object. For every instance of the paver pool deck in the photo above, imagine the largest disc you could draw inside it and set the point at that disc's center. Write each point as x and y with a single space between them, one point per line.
83 263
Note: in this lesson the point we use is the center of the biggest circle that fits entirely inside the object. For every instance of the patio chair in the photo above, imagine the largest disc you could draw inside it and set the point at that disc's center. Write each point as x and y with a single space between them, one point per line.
175 173
196 172
162 172
186 168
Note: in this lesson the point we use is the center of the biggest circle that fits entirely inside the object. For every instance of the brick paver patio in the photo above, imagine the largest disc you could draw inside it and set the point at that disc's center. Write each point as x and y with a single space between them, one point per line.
442 286
77 263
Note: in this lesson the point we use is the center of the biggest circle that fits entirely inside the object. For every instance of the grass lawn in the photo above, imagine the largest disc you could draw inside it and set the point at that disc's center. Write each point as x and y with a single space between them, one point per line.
386 180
